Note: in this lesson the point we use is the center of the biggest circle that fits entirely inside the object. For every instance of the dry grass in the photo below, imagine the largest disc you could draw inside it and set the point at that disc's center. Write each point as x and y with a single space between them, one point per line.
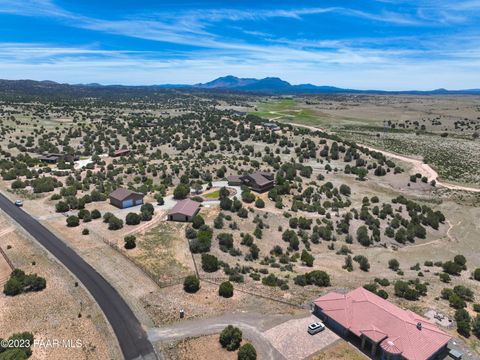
54 313
201 348
339 351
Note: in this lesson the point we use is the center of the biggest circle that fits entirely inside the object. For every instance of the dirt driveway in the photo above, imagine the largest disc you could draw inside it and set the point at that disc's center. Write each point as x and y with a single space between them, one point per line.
293 341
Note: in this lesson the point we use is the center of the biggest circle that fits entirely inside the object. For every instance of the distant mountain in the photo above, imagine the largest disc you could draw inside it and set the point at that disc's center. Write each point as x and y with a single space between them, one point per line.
230 83
276 85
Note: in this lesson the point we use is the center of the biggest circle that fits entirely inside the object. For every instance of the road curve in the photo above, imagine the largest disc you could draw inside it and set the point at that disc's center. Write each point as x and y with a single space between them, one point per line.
418 165
131 336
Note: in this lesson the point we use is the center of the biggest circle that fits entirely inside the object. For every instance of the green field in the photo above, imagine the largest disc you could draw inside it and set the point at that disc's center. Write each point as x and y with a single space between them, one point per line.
286 110
212 195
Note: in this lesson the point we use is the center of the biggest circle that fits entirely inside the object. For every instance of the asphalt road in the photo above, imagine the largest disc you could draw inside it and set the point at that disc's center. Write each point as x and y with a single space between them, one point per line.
131 336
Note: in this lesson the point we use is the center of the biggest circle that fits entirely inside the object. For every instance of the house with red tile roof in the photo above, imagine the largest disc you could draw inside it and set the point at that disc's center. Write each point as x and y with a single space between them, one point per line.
382 326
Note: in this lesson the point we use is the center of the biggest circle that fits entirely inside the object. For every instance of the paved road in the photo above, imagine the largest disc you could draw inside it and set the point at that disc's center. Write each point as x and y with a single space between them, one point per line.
131 336
252 325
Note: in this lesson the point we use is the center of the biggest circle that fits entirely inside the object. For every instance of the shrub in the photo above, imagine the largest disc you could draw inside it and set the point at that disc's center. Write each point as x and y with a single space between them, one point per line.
247 352
307 258
226 289
259 203
209 263
452 268
197 221
130 242
463 320
460 260
62 207
225 241
230 338
393 264
403 290
362 236
20 352
20 282
73 221
147 208
133 219
363 262
456 302
444 277
476 326
181 191
96 214
464 292
85 231
476 274
114 223
191 284
316 277
203 242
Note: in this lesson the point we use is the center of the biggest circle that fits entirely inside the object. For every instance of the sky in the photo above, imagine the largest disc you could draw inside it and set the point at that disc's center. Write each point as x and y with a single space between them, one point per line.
361 44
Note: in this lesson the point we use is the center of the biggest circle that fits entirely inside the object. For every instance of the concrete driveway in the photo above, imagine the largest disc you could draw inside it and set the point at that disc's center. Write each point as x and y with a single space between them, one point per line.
251 324
292 340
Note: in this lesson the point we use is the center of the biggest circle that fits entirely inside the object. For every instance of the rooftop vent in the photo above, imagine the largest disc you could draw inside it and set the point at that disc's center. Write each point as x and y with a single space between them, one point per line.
419 326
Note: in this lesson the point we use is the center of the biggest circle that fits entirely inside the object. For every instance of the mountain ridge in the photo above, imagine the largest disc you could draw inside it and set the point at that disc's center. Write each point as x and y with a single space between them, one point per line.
230 83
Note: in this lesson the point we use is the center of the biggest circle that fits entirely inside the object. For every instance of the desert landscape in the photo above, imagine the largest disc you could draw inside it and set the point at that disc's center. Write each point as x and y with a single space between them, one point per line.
342 209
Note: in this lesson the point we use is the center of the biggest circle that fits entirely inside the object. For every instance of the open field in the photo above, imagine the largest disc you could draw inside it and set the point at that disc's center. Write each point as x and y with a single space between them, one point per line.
404 124
62 311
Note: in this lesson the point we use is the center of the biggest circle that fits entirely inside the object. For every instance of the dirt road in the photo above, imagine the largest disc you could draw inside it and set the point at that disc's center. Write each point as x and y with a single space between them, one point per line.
252 325
418 166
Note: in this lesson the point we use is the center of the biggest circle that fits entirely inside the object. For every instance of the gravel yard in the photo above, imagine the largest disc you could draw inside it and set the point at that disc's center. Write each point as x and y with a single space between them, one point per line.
293 341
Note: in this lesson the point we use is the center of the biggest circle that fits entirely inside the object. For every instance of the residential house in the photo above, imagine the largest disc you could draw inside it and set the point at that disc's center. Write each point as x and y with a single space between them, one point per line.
259 181
390 332
121 152
54 158
184 210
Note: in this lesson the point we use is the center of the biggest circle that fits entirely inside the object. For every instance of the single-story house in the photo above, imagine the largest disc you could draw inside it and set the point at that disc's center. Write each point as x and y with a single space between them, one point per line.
271 126
235 180
53 158
382 326
259 181
121 152
184 210
124 198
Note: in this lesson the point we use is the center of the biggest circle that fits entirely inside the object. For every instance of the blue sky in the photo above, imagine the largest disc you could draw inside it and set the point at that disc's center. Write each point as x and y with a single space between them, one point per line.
382 44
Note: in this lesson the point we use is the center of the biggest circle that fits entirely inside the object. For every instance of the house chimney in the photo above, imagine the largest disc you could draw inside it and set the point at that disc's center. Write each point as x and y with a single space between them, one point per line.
419 326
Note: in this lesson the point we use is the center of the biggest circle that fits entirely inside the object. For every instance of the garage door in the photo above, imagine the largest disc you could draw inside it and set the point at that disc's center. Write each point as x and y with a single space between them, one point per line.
127 203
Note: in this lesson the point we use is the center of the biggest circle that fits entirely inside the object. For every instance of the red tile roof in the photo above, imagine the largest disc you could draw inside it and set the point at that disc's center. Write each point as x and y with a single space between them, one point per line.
398 331
185 207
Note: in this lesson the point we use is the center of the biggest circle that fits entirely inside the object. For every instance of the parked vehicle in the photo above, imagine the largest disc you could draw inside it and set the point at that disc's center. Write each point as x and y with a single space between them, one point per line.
315 328
18 203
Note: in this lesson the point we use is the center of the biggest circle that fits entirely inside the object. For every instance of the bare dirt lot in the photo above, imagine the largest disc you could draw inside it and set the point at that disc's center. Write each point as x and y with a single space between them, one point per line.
62 311
201 348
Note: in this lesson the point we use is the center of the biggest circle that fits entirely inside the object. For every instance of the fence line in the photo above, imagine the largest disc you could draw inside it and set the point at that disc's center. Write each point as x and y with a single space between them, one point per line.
7 259
219 280
146 271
